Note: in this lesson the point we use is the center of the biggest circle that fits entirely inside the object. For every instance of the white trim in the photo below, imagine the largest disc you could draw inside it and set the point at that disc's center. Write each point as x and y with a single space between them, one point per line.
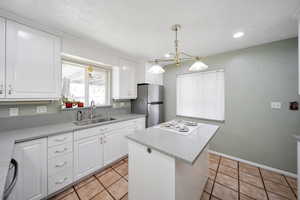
286 173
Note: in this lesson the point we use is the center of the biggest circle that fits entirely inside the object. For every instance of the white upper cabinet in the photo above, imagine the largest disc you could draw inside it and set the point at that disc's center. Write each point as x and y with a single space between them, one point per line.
2 58
124 80
33 68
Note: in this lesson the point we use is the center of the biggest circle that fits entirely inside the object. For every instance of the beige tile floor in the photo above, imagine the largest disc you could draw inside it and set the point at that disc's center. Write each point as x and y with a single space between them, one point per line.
228 180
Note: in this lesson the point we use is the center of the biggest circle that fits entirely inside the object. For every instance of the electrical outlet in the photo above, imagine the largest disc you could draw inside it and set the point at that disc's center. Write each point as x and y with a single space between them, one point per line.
13 111
276 105
41 109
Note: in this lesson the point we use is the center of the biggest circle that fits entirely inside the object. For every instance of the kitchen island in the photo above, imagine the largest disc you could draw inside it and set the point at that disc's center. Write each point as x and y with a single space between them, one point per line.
167 165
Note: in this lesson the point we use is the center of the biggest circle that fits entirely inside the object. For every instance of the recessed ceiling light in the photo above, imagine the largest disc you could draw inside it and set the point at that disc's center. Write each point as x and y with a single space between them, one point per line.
238 34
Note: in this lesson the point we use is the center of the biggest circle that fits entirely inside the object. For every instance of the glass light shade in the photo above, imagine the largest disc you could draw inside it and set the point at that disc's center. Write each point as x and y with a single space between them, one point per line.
156 69
198 66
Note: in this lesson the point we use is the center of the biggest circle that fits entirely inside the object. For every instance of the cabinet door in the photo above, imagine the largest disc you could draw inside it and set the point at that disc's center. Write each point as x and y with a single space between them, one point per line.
33 69
112 146
151 174
124 140
116 144
32 177
2 58
124 81
88 156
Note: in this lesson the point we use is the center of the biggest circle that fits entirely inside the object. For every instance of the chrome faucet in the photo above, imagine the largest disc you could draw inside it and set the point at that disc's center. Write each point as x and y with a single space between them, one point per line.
92 109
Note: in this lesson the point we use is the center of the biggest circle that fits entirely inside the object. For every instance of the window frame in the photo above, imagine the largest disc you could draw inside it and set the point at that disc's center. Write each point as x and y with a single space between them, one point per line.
84 63
203 118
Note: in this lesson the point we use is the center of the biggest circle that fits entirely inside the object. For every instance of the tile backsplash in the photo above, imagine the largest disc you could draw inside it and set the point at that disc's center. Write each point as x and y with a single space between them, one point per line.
28 117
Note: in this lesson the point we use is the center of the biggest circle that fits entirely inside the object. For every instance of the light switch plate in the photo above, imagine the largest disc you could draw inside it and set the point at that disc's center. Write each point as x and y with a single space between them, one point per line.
276 105
14 111
41 109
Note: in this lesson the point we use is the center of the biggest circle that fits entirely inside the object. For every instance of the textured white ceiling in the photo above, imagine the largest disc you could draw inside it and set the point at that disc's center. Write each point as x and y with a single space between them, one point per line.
141 28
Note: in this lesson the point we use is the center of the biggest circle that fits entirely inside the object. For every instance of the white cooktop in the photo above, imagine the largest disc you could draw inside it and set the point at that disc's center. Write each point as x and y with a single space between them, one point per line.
181 127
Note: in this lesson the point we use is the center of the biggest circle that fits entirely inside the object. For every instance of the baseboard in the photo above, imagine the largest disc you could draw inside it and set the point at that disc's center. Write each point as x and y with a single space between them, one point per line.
286 173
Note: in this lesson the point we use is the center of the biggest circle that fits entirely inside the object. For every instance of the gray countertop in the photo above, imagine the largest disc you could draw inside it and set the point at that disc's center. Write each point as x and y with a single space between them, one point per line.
9 138
186 148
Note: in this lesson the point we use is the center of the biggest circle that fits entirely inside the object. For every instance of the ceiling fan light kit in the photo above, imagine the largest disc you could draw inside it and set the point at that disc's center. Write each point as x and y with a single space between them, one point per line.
177 57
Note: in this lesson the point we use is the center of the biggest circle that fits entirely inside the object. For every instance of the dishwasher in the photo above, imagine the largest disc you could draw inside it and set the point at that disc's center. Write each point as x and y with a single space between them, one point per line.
11 179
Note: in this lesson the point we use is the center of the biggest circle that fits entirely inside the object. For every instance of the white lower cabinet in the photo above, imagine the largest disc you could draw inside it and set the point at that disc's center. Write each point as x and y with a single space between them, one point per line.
48 165
115 144
88 156
60 161
32 177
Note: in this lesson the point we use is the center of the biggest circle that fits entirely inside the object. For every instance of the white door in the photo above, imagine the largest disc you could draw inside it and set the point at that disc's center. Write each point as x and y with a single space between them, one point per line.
88 156
2 58
32 175
33 69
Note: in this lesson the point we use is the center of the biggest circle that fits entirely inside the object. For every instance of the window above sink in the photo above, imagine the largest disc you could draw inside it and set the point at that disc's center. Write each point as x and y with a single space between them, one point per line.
84 83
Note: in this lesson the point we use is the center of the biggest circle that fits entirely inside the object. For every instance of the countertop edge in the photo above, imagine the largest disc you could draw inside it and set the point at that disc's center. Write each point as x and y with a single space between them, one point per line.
188 161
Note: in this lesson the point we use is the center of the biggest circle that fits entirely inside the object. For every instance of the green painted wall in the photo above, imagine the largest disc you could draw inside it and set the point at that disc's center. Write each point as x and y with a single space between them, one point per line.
254 77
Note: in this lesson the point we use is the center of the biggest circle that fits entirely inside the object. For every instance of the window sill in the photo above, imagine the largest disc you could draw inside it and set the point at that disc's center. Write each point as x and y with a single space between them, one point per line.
86 107
203 119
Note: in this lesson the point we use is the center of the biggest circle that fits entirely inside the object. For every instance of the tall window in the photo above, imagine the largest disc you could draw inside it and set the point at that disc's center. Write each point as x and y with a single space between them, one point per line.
85 83
201 95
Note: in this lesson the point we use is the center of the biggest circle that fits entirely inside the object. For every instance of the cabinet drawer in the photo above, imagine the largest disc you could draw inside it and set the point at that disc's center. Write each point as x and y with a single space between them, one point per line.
60 139
60 180
99 130
60 150
60 163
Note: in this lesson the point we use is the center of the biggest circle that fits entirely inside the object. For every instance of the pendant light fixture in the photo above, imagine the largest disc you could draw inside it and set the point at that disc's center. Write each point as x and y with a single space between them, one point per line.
156 68
177 58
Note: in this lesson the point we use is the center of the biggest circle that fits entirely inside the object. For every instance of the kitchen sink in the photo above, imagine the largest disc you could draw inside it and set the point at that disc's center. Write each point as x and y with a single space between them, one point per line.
92 121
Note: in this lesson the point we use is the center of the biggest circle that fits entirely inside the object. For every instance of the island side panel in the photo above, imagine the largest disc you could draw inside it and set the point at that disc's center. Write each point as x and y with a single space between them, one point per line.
151 175
191 179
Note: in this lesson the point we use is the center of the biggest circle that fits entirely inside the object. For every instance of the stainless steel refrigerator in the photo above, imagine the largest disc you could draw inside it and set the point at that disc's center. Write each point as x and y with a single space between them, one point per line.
149 101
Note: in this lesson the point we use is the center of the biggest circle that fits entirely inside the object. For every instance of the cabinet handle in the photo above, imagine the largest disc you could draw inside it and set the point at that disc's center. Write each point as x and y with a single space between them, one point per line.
60 139
61 164
149 150
61 181
60 151
10 89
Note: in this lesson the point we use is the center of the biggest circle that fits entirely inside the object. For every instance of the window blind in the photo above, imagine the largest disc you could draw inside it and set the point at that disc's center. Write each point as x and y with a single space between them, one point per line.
201 95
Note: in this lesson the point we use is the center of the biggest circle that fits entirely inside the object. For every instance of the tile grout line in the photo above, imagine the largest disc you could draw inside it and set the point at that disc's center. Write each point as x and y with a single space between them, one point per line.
214 181
290 186
105 189
263 181
76 193
119 173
